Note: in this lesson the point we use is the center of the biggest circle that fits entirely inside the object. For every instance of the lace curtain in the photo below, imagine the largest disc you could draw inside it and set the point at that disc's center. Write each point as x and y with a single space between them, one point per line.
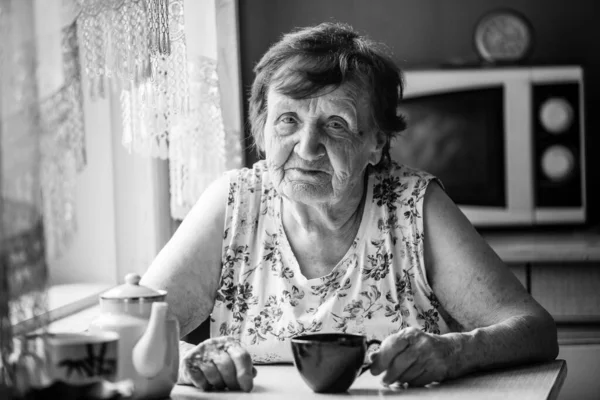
22 258
41 151
61 113
201 148
171 108
167 85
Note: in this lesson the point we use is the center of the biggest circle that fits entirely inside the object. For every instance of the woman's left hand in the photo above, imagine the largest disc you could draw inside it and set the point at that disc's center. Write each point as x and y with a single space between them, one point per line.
414 357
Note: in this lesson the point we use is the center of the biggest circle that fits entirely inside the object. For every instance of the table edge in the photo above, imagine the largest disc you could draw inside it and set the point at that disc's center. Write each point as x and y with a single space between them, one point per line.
559 381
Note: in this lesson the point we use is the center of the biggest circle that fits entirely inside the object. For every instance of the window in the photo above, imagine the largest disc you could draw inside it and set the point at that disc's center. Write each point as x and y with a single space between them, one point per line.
122 199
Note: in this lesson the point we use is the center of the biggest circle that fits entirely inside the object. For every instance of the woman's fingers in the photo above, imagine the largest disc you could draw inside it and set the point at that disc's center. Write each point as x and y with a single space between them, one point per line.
414 357
389 349
227 370
245 371
403 364
192 374
218 364
421 380
200 381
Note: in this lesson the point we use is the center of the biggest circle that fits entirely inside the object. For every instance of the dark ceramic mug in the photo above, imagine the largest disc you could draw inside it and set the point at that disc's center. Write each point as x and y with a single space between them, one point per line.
330 362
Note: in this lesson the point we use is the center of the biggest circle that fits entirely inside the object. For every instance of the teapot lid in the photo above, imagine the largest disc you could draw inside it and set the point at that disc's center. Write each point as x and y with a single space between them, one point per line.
131 289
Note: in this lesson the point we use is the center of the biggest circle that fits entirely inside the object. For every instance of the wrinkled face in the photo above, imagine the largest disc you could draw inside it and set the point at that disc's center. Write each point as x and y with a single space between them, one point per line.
317 149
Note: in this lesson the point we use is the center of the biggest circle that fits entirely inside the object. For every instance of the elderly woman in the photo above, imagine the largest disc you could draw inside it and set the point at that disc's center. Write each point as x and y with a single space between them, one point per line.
327 234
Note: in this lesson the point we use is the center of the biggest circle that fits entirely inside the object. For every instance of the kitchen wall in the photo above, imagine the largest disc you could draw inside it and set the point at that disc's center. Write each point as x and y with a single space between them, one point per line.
429 32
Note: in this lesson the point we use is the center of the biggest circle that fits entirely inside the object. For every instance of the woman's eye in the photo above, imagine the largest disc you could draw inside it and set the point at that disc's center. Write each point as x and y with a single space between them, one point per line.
337 125
286 124
287 119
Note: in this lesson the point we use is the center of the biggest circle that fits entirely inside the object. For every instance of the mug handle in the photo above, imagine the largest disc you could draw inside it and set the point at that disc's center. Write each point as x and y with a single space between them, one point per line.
366 367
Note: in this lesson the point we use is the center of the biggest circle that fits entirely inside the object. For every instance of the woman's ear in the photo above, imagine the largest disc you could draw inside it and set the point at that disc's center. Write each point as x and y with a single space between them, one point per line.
376 153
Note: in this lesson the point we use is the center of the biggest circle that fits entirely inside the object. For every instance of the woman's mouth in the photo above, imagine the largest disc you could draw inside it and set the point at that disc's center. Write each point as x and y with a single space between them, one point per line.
307 173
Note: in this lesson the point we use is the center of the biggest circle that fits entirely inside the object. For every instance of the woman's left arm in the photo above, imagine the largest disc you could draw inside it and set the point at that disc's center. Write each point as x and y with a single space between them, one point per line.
500 323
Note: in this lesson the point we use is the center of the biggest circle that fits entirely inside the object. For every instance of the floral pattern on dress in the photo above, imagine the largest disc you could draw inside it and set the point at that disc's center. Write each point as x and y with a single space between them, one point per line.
263 322
334 284
294 296
236 296
273 257
359 310
397 308
378 265
376 289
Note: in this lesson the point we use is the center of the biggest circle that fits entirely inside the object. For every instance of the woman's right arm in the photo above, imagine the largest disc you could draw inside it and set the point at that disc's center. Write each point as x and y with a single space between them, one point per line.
189 268
189 265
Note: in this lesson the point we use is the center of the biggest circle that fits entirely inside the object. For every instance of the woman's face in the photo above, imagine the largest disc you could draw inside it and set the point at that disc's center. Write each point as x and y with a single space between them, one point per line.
317 149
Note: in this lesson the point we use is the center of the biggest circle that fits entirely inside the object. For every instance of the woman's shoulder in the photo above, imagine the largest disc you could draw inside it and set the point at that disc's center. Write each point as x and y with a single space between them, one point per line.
250 202
398 176
249 184
257 175
400 188
406 172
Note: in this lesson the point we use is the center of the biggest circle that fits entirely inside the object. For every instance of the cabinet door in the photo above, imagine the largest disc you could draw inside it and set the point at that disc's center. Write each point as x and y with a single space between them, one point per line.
583 368
570 292
520 271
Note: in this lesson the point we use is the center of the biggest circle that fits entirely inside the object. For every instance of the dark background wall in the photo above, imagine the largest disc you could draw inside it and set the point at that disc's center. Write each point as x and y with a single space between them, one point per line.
430 32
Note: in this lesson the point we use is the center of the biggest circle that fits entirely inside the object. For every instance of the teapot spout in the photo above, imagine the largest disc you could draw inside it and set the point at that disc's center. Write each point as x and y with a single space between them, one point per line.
150 351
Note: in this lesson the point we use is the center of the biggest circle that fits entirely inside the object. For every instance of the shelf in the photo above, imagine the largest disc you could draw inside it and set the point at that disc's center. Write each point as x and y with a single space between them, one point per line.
545 246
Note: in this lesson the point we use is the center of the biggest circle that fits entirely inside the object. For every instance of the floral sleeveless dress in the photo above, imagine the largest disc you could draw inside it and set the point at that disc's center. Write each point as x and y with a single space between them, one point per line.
378 288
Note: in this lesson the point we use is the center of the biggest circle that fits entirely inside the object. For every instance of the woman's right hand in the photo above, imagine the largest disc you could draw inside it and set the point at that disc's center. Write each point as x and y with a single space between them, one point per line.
217 364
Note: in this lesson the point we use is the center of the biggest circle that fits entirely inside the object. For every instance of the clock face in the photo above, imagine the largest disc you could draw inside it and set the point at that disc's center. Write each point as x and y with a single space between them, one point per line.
503 36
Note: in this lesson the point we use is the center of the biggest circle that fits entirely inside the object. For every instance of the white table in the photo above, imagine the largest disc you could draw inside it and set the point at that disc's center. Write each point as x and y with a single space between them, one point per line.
282 382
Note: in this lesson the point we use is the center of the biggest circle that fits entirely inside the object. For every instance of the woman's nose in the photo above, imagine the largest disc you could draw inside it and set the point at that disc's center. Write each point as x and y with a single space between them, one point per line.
309 146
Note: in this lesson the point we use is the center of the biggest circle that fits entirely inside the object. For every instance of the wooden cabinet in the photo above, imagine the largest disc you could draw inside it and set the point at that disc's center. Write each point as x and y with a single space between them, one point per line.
569 291
583 371
561 270
520 271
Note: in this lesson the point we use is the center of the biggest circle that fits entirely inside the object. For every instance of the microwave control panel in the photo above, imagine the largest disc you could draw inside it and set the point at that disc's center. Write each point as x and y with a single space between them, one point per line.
557 144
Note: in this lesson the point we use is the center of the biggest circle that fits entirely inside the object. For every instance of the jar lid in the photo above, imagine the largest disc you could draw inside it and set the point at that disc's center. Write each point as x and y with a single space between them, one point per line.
131 289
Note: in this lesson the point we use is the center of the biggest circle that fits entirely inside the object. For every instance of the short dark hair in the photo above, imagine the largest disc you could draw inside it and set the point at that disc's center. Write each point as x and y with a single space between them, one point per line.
328 55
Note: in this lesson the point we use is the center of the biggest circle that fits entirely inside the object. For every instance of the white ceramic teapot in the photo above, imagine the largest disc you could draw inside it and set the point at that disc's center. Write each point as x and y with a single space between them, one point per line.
148 337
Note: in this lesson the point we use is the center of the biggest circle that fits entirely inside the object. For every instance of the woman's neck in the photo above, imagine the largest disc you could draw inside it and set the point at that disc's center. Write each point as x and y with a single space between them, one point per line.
319 237
341 218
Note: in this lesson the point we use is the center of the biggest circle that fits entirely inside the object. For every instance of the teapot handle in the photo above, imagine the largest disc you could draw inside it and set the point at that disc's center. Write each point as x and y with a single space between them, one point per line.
151 349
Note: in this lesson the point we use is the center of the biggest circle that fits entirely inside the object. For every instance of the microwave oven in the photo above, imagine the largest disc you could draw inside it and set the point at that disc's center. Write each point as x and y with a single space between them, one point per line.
506 143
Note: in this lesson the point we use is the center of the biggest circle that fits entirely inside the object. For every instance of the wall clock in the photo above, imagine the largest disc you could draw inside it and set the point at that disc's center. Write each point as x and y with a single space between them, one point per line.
503 36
